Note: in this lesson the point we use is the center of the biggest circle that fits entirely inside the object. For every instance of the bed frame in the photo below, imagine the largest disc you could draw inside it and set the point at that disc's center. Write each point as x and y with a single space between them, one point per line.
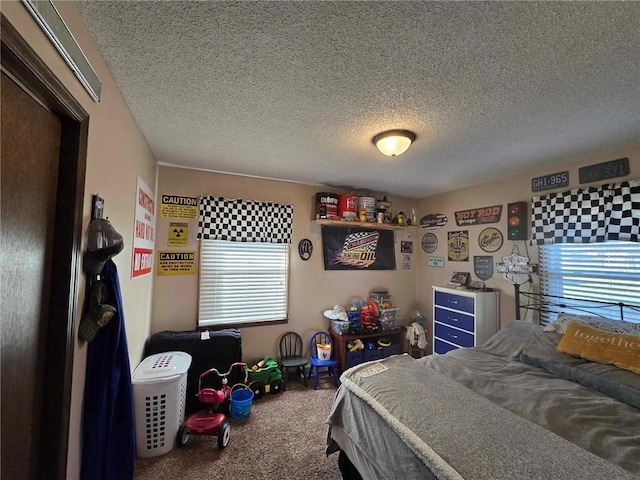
551 304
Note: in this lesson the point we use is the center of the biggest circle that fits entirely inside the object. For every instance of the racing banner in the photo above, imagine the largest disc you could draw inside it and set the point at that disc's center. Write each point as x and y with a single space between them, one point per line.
356 248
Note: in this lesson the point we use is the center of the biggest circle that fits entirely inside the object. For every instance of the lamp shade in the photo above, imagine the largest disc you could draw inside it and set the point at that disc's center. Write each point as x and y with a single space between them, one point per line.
394 142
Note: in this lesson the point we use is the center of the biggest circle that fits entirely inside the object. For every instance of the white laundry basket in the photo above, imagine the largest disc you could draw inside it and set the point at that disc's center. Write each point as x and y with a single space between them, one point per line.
159 395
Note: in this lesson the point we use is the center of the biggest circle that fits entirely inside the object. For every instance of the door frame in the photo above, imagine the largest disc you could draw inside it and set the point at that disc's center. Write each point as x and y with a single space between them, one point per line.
22 62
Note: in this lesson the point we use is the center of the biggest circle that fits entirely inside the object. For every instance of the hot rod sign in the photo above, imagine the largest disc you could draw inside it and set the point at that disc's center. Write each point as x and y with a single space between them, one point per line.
479 216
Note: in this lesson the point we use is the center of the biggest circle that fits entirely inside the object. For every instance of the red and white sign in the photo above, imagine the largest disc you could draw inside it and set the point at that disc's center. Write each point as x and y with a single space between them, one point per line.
143 230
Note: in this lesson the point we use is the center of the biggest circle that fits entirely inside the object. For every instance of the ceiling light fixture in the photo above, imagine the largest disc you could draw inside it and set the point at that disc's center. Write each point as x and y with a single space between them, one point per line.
394 142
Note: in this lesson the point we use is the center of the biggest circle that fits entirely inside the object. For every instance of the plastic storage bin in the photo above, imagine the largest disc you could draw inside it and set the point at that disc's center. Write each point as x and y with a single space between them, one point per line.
159 395
341 327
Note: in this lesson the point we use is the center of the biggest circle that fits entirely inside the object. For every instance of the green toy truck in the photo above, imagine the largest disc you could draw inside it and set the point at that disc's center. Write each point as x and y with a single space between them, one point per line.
265 377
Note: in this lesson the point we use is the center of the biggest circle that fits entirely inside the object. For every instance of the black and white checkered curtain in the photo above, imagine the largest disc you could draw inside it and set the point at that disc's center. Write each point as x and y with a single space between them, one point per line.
594 214
240 220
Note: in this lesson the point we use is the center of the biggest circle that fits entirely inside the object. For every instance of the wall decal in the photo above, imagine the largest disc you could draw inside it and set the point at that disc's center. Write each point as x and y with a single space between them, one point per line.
490 239
143 230
305 249
177 206
406 247
178 234
478 216
551 181
604 170
176 263
429 242
435 262
353 248
483 266
433 220
458 246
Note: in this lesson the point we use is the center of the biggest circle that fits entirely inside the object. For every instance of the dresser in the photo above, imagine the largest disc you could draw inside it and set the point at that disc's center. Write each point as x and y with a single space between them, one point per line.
463 318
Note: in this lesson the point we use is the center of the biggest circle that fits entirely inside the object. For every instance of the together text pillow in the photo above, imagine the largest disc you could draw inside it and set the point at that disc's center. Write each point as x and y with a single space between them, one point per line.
603 347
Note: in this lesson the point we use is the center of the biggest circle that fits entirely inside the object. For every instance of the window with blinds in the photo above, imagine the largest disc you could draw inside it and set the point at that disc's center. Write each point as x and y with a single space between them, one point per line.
242 282
608 272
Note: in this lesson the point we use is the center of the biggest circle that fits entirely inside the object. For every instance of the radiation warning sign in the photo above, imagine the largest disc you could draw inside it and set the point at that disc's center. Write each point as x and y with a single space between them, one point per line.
178 234
176 263
178 206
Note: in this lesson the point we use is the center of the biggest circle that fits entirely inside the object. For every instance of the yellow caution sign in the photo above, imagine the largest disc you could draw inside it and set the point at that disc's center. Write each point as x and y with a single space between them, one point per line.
177 206
178 234
176 263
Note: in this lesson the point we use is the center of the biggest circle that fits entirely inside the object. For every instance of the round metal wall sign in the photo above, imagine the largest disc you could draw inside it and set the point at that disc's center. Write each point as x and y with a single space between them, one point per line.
305 249
490 239
429 242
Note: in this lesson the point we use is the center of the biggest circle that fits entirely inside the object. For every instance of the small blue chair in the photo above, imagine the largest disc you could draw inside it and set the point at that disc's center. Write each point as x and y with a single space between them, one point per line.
318 365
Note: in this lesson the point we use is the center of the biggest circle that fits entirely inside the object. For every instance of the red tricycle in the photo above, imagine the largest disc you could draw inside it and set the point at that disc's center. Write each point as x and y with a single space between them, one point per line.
210 422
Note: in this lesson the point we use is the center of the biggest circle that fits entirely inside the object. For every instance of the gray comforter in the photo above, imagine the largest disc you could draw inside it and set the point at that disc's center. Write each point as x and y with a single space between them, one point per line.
504 410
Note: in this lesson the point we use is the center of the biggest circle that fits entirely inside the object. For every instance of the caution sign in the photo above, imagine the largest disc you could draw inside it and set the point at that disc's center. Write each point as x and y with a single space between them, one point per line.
177 206
178 234
176 263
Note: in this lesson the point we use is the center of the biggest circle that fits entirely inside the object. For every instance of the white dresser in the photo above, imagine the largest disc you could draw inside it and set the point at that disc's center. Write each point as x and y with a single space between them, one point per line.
463 318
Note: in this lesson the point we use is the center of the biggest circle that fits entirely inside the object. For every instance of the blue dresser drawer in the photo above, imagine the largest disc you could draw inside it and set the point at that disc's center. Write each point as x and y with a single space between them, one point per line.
372 355
459 337
353 358
456 319
457 302
442 347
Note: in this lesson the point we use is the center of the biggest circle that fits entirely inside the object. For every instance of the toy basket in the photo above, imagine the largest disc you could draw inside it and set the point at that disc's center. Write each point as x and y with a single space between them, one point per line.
159 395
241 400
324 351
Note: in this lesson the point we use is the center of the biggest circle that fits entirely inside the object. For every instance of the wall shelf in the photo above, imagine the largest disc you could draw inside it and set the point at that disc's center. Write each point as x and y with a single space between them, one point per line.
350 223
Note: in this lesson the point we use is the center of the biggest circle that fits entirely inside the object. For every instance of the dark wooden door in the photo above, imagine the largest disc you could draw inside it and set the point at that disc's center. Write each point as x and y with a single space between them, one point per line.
43 144
30 154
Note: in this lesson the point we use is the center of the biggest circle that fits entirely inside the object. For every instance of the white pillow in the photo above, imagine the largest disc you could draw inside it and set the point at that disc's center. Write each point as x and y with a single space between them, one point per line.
601 323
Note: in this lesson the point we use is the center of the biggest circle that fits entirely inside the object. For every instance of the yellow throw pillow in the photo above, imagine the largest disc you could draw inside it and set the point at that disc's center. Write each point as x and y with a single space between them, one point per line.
603 347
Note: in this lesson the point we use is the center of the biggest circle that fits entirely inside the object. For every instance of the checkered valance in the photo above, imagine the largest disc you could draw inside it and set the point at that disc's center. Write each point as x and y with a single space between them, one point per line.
595 214
244 220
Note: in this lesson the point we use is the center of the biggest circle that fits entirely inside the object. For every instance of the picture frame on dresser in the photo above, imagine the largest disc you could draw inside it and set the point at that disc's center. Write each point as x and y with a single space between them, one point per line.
463 318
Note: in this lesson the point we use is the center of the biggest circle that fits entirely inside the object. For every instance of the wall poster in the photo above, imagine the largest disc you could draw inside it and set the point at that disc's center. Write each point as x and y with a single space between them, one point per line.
355 248
479 216
143 234
178 234
458 246
176 263
178 206
483 266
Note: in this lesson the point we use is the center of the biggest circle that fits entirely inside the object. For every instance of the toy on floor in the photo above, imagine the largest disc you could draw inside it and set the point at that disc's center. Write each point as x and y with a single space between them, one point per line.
265 377
210 422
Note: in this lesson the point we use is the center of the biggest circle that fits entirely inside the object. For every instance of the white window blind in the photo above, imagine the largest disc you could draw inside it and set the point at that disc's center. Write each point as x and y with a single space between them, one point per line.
608 272
242 282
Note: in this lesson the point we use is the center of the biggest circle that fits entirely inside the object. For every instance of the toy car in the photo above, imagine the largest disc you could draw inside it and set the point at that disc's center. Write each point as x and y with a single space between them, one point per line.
266 378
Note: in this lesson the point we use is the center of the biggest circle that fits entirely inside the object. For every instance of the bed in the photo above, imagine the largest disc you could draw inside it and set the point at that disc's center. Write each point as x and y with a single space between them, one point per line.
513 408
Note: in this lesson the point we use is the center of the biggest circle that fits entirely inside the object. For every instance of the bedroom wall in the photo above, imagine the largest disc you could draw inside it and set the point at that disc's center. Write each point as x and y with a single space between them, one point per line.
499 192
117 154
311 289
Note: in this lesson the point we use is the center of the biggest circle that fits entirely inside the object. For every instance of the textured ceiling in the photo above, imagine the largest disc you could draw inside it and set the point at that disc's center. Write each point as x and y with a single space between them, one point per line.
296 90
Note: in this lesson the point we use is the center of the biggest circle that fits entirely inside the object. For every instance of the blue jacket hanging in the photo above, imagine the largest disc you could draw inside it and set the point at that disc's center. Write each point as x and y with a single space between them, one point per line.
108 427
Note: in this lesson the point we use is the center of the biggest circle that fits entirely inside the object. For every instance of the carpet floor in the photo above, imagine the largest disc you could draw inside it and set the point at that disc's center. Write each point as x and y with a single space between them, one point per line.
282 439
